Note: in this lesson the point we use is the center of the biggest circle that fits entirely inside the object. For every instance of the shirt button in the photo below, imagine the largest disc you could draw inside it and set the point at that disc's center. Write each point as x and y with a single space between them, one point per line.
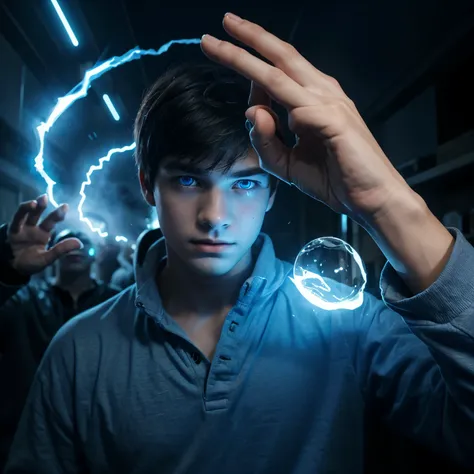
233 326
196 358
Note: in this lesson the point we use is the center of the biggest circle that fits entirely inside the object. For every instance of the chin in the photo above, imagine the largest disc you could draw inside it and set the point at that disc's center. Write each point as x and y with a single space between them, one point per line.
212 266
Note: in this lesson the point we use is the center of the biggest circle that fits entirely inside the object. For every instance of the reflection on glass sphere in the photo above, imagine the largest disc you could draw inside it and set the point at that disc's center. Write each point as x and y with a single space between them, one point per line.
330 274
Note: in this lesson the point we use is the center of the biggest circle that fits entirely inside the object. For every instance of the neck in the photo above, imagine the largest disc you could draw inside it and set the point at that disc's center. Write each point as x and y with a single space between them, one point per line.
204 295
74 282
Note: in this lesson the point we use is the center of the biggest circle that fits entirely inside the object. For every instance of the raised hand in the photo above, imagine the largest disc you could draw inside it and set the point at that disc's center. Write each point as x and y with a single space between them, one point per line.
335 159
29 240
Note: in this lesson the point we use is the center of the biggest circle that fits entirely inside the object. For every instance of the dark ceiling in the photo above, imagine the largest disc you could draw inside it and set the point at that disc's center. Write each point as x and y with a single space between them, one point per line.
382 53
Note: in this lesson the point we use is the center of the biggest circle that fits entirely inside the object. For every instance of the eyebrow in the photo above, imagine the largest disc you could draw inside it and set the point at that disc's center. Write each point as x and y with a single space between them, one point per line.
199 172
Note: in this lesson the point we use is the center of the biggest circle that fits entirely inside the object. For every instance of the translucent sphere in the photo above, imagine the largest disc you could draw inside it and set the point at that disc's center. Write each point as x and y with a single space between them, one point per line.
330 274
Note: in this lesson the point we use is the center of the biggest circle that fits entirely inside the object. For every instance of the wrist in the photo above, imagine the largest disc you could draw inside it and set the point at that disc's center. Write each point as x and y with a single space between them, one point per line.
404 208
414 241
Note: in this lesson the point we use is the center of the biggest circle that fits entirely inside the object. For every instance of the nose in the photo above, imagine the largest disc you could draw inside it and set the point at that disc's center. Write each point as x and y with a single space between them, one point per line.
214 212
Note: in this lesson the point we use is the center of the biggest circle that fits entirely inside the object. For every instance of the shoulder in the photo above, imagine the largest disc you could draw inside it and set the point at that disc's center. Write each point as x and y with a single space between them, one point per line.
109 321
35 289
91 344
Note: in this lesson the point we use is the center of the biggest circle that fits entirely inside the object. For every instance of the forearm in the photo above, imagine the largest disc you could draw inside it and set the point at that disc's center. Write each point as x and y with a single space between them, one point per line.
414 241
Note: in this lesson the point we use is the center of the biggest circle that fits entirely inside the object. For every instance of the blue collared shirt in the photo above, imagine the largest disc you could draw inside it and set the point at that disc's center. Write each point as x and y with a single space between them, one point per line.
123 389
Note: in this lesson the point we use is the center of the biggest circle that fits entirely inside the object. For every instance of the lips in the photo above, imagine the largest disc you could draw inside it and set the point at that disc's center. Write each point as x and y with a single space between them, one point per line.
211 242
212 246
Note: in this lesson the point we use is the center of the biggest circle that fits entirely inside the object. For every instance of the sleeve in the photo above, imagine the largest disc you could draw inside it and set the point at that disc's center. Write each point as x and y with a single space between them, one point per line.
12 288
15 301
414 356
46 441
10 284
7 292
10 281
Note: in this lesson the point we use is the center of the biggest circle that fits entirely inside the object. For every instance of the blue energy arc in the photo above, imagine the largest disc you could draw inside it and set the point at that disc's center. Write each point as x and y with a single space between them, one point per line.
79 92
88 182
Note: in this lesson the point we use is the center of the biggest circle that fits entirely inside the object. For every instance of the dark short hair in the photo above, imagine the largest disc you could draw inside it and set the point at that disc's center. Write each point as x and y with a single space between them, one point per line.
194 113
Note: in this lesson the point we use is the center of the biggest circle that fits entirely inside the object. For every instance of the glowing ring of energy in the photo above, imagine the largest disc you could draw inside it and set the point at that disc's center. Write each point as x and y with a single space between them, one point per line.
79 92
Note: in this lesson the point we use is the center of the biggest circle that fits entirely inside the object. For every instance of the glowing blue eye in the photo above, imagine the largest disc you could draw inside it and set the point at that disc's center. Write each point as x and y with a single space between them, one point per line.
186 181
91 252
246 184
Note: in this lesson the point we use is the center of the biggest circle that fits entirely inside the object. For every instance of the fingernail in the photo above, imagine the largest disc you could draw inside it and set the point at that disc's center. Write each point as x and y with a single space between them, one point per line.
210 39
81 245
61 210
232 17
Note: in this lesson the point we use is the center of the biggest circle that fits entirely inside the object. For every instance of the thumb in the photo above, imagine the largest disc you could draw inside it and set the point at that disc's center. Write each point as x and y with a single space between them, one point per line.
274 155
62 248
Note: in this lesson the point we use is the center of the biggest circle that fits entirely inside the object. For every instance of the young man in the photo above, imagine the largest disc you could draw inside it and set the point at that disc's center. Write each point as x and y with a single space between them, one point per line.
213 362
32 312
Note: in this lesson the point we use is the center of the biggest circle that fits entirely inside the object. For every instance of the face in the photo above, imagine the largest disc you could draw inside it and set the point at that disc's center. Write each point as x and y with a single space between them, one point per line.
78 261
210 220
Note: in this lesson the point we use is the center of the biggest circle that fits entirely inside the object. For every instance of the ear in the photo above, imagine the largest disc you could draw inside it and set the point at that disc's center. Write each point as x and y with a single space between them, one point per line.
271 200
146 193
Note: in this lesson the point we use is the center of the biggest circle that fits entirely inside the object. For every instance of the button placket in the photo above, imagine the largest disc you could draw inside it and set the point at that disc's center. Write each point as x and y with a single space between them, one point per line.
225 368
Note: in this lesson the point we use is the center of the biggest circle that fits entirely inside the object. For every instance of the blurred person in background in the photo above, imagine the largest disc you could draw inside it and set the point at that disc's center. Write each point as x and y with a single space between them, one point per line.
31 309
107 260
124 276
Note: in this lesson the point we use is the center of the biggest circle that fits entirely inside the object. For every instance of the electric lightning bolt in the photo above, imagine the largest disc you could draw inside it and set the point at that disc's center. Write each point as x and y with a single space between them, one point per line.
79 92
88 182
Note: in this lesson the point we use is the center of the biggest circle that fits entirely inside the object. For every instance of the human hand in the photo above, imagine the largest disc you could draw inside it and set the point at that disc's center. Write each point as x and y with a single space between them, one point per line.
335 159
29 241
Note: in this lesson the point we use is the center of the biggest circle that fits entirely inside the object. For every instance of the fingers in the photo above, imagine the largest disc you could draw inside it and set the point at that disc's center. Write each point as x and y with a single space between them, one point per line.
281 54
275 82
20 216
274 155
62 248
35 214
258 96
53 218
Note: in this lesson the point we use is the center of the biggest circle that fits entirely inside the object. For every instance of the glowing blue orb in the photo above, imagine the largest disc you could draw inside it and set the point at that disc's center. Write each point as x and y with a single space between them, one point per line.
330 274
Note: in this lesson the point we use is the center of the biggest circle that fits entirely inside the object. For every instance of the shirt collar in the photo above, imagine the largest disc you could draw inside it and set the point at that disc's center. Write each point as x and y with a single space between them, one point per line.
268 274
